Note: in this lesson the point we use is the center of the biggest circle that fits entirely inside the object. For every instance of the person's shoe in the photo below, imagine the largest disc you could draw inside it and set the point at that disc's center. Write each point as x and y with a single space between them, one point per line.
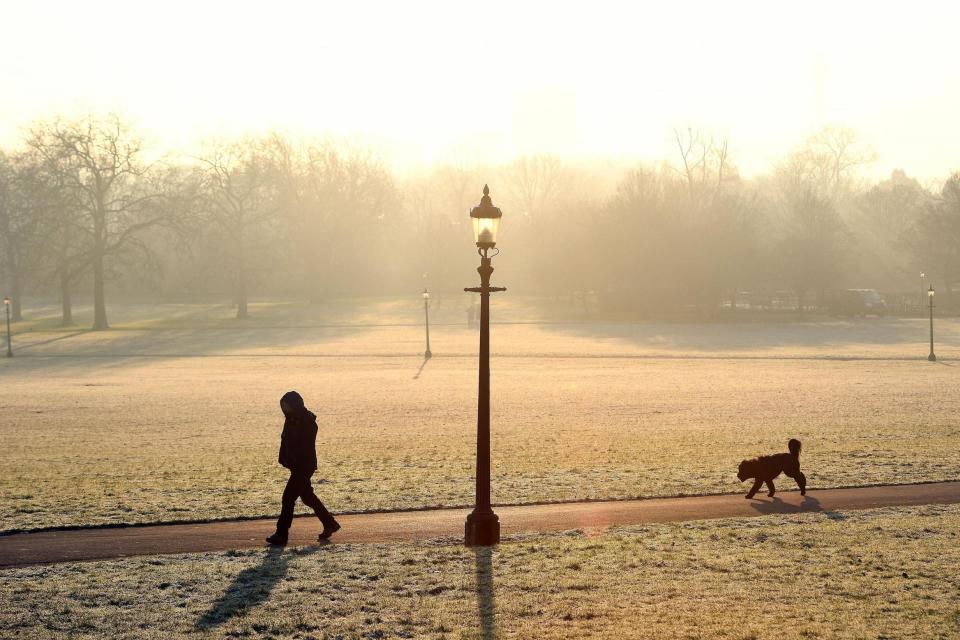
277 538
329 531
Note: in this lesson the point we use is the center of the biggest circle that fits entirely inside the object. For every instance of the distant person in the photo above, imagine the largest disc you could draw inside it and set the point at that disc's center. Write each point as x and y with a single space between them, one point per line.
765 468
298 453
471 315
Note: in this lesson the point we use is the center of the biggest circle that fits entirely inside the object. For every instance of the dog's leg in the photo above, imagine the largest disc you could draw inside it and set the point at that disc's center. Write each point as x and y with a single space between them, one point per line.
770 488
754 488
802 483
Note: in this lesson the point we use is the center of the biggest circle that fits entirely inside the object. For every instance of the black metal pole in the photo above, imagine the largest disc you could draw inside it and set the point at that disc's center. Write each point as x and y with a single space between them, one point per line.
426 315
483 526
9 339
931 357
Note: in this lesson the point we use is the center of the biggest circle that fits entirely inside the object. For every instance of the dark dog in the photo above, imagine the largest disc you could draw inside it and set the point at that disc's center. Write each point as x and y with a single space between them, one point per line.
765 468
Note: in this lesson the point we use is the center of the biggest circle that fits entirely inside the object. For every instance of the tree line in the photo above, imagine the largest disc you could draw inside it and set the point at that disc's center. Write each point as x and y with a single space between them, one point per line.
86 206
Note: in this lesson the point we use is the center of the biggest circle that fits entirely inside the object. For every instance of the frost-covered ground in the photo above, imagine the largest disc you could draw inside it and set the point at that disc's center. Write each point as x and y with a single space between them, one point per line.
887 573
173 414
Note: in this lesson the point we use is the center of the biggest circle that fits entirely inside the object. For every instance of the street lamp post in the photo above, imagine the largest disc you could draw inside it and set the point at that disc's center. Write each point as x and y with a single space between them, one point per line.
931 357
923 288
6 304
426 317
483 525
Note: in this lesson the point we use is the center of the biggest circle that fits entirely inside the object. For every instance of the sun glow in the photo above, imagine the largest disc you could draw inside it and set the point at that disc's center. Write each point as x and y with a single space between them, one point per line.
429 81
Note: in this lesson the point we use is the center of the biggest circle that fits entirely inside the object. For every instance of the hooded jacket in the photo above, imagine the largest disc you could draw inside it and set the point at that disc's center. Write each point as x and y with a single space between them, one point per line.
298 441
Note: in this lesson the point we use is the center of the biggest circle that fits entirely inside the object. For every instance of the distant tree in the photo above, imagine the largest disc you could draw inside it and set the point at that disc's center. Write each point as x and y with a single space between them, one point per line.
110 187
639 246
239 194
337 206
529 191
564 252
456 185
719 218
735 243
433 235
827 164
882 221
705 167
432 227
935 237
532 183
813 247
812 195
62 251
19 222
66 253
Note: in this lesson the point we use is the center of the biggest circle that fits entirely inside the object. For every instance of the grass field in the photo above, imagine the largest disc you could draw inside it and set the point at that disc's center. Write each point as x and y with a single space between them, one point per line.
887 573
173 415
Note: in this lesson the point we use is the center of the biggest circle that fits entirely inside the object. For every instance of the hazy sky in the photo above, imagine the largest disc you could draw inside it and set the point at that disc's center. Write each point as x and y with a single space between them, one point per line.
446 80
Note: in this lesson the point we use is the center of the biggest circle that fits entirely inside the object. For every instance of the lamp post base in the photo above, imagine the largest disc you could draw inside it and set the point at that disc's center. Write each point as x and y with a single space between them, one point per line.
482 529
931 357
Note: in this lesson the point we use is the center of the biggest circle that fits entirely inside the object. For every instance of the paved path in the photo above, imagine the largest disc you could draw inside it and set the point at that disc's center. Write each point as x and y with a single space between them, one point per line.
409 526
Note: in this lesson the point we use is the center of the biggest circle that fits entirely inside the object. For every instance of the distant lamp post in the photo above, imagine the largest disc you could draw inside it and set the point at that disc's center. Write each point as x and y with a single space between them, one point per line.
931 357
483 525
923 288
426 317
6 304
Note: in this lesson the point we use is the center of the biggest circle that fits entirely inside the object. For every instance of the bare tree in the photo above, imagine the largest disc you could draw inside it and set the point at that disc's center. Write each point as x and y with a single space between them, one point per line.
100 163
240 195
65 250
814 248
533 182
827 164
456 184
720 216
935 237
706 166
813 191
435 206
18 222
338 206
883 220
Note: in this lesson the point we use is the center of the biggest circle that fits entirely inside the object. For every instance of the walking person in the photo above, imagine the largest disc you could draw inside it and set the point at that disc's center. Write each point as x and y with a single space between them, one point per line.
298 453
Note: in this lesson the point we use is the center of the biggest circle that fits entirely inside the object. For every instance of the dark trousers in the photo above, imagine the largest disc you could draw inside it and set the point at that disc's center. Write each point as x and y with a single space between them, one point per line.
298 486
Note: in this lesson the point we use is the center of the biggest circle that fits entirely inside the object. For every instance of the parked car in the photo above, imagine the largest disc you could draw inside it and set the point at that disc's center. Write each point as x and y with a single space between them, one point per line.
858 302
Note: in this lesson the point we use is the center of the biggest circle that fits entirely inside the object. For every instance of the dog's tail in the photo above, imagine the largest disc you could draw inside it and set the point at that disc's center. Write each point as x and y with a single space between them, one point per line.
794 446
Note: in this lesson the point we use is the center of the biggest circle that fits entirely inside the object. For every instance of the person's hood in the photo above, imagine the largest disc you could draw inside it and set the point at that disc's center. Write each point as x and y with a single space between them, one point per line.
295 401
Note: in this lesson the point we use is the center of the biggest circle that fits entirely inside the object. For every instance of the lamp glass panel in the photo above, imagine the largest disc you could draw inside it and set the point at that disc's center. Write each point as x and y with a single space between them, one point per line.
485 230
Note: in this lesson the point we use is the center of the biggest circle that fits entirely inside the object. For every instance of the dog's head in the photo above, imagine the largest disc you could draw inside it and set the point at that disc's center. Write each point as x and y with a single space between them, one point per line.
746 470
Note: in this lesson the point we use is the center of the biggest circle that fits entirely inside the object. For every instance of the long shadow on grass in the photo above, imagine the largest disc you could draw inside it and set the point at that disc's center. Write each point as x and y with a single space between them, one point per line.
845 337
485 599
808 504
420 370
40 343
251 586
119 348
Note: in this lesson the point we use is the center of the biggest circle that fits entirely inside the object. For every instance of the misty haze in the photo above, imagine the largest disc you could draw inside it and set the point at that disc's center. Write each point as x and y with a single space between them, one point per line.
515 320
